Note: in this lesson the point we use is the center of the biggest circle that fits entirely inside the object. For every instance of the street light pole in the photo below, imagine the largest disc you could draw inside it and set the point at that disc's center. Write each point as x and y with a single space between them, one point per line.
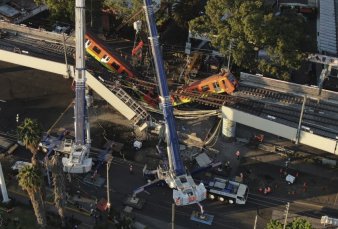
91 13
108 187
173 216
286 215
229 56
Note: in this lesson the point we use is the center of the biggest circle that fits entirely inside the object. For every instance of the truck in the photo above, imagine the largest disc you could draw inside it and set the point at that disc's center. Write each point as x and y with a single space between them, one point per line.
226 190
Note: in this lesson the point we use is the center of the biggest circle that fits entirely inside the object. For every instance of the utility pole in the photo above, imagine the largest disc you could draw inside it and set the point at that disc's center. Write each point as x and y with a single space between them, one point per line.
286 215
91 13
65 52
172 216
300 120
109 160
229 56
255 225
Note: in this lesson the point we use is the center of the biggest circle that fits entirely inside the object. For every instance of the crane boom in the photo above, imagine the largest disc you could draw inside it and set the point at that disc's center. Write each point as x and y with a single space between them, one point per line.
175 162
185 191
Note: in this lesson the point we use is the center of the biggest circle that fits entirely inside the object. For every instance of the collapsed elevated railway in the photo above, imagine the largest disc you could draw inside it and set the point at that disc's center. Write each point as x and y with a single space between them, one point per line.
269 104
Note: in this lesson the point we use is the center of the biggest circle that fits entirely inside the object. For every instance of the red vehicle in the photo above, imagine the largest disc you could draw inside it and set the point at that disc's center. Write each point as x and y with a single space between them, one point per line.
110 59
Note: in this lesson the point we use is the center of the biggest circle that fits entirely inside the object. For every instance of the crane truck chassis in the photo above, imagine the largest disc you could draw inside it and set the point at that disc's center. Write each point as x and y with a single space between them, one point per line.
226 190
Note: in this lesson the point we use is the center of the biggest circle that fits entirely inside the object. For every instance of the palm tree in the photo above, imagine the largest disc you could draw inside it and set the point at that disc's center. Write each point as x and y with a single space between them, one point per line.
59 187
29 132
30 179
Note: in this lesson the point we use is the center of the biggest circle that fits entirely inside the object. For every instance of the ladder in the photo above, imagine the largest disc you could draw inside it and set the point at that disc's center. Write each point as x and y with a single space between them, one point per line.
141 116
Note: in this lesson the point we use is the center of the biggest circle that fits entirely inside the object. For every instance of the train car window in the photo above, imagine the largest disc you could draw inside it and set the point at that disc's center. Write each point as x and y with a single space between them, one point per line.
124 74
115 66
216 86
97 50
205 88
225 85
104 56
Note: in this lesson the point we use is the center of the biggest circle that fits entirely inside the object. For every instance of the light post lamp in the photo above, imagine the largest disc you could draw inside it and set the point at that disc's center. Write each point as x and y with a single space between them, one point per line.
17 120
91 13
17 125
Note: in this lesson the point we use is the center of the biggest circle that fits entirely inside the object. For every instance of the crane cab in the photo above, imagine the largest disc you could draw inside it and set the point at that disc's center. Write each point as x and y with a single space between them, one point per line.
187 192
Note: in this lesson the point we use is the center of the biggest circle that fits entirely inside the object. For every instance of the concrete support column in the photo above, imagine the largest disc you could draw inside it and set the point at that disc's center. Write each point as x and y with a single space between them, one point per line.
3 187
228 128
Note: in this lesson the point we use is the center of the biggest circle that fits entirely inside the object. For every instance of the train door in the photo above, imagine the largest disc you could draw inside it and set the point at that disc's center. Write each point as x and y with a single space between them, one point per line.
105 59
88 43
217 87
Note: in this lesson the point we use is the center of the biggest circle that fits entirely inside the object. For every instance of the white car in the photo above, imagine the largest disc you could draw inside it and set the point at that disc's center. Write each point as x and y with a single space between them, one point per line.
290 179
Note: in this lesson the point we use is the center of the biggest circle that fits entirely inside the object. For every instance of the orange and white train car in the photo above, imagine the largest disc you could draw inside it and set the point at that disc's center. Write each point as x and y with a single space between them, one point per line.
223 82
111 60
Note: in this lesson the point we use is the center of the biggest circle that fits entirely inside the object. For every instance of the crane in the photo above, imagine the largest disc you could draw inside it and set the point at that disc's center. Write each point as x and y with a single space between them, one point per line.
185 190
79 160
328 62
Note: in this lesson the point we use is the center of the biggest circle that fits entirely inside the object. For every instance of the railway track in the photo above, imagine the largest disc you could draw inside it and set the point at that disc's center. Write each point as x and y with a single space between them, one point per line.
285 108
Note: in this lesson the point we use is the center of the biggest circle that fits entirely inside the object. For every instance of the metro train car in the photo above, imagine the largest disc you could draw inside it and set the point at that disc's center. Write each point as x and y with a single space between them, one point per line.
223 82
220 83
111 60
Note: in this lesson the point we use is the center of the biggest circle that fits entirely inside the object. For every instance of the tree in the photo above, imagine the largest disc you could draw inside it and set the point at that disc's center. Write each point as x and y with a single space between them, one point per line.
29 132
61 9
30 179
297 223
251 27
59 187
274 224
122 8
